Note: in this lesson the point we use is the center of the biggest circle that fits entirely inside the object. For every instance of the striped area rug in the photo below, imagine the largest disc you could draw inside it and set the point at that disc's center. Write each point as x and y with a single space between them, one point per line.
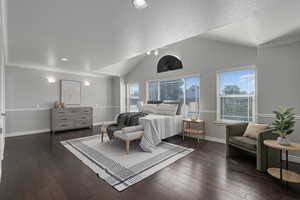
111 163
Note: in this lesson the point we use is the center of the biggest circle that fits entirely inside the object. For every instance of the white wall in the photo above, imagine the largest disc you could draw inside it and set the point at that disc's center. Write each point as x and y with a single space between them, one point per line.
28 95
278 70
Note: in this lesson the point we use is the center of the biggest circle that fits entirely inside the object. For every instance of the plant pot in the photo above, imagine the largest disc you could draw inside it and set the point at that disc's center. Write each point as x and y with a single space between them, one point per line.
283 141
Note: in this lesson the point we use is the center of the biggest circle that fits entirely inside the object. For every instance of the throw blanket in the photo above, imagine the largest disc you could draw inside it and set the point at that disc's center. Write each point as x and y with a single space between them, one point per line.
158 127
124 120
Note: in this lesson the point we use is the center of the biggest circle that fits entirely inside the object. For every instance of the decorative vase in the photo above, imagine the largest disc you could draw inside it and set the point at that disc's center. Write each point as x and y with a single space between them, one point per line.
194 117
283 141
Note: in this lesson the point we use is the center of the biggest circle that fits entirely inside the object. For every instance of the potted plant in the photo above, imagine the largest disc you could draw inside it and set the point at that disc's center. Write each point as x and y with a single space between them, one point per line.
284 124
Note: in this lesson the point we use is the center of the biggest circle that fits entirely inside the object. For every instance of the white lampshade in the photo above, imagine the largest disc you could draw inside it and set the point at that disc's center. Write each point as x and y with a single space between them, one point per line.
140 4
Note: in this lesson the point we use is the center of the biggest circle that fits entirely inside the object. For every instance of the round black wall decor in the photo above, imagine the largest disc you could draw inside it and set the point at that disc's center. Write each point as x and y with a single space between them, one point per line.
168 63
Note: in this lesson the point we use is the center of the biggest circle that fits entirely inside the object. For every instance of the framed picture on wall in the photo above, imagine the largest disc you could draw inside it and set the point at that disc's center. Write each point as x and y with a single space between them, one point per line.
70 92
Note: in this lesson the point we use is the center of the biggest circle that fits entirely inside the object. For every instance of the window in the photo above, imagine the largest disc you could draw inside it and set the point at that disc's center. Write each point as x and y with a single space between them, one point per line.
172 90
192 94
185 90
133 97
236 95
153 91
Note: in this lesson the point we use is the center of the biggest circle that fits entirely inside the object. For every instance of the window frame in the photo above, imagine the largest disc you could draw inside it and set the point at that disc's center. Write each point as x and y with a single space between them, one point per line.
174 78
128 95
254 106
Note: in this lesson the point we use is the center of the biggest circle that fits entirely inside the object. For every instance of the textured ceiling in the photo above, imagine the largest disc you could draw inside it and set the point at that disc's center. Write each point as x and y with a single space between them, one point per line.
283 24
95 34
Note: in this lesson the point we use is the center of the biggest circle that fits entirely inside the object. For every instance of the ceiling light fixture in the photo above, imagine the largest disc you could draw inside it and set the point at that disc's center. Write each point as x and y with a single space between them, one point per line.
148 53
87 83
51 79
64 59
140 4
156 52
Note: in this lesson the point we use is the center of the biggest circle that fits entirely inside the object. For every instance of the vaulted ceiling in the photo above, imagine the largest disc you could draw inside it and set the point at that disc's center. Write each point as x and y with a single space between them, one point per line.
111 36
282 24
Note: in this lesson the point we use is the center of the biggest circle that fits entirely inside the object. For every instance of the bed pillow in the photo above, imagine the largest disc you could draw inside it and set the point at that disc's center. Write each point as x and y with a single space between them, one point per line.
167 109
149 108
178 112
254 129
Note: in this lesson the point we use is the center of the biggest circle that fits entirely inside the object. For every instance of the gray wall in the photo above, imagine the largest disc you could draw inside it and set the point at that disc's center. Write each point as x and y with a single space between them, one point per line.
28 95
278 75
279 81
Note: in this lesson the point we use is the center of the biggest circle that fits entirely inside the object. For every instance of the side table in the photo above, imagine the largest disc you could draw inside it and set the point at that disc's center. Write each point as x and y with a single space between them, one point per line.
188 129
280 173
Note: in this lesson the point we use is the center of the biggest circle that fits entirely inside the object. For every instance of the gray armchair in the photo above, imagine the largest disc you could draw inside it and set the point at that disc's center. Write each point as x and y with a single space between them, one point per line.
237 144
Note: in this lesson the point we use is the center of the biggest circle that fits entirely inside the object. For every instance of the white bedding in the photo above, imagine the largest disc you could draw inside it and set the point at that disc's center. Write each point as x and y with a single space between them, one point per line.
158 127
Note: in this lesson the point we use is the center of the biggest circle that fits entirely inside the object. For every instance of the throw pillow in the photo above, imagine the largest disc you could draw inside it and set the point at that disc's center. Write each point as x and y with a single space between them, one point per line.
167 109
253 129
149 108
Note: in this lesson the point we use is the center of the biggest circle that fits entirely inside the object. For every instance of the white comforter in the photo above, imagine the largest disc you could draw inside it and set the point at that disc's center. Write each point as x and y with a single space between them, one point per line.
158 127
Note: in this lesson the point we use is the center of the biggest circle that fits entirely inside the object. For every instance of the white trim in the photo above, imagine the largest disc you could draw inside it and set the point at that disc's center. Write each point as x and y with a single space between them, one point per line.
48 108
175 77
295 159
38 131
21 133
215 139
297 117
237 68
4 28
56 69
207 111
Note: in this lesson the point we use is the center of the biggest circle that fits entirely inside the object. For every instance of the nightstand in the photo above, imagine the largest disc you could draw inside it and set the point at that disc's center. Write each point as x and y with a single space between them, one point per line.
193 127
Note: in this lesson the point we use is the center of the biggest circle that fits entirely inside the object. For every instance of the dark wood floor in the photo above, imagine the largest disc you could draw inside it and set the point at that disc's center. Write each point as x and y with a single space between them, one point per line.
38 167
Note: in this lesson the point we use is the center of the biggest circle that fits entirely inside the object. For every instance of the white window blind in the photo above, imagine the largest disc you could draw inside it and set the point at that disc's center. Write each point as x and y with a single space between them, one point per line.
185 90
133 97
236 95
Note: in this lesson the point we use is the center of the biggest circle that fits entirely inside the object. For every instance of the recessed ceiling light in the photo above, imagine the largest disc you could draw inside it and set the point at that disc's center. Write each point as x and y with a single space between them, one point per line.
87 83
140 4
64 59
156 52
51 79
148 53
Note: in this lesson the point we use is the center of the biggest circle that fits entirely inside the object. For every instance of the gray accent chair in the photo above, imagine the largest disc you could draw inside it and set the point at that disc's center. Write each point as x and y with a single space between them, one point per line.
237 144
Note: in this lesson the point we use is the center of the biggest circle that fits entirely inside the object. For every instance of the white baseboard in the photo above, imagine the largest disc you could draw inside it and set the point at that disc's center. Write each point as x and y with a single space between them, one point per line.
32 132
21 133
292 158
215 139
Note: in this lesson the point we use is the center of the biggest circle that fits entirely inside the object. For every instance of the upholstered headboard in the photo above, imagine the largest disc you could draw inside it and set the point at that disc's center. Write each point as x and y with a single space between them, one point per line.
154 102
179 103
169 102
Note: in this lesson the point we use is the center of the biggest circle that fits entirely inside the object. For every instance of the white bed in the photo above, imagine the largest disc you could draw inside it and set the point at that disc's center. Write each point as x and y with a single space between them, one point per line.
159 127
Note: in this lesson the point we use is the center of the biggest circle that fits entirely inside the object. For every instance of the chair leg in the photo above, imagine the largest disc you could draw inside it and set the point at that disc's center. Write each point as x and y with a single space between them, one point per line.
102 133
127 143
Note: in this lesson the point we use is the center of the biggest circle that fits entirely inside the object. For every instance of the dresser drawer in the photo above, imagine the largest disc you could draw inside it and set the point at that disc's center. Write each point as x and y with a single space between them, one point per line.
74 111
86 110
61 112
84 117
82 123
63 125
63 118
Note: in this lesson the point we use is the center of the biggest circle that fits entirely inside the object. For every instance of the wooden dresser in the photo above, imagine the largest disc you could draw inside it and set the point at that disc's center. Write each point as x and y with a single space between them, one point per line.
71 118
